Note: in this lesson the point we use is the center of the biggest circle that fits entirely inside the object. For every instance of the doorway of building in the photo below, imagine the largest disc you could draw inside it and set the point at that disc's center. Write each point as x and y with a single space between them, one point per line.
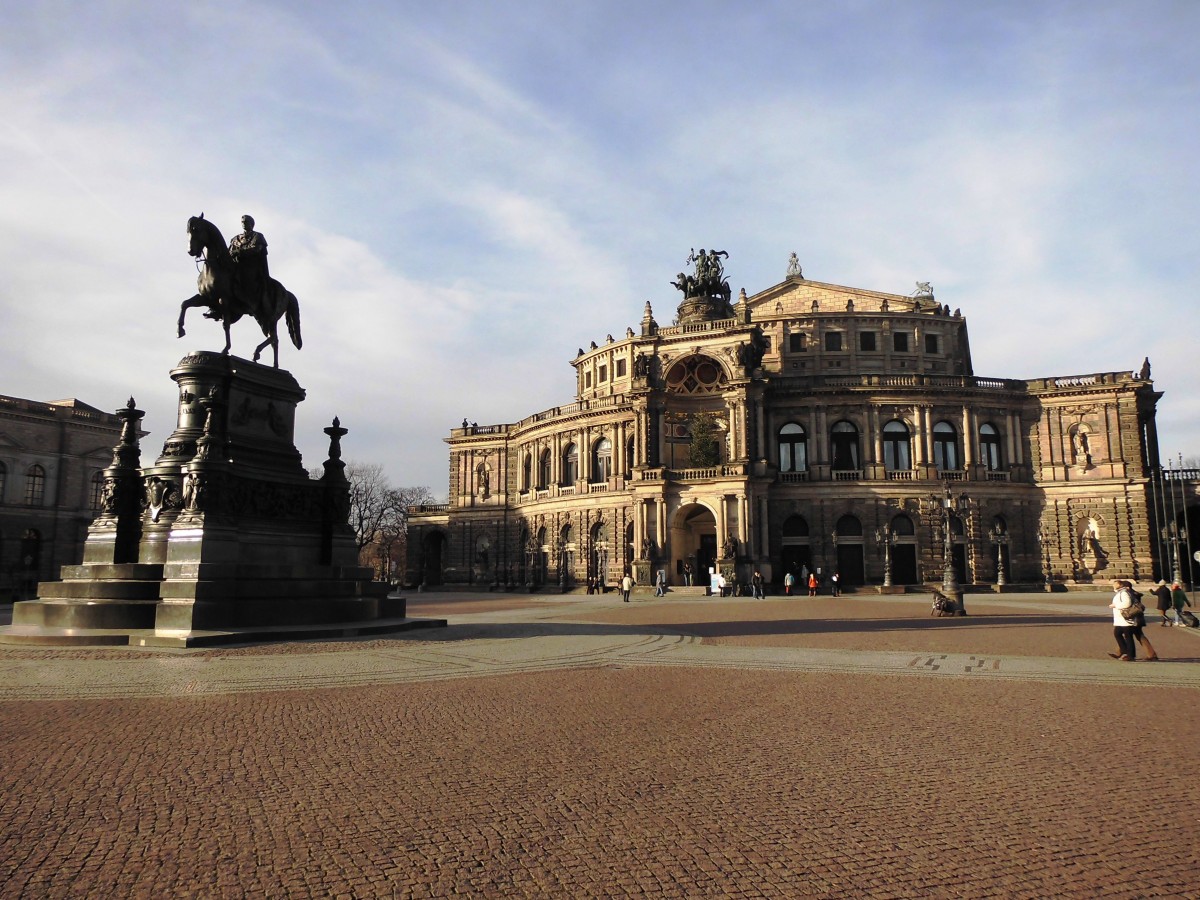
694 541
706 556
904 564
796 555
850 564
435 545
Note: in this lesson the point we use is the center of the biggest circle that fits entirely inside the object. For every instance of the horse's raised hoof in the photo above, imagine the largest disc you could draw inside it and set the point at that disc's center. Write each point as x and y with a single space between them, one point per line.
181 333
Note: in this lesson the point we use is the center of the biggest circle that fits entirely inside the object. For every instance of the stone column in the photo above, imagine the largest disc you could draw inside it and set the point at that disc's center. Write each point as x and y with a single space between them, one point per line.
815 446
968 430
918 439
873 418
1010 439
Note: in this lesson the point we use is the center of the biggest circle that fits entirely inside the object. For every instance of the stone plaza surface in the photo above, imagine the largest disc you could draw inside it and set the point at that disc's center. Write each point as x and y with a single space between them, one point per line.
580 746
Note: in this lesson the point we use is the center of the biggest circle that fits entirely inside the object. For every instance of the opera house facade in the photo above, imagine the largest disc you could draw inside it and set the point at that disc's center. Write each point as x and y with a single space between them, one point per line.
809 427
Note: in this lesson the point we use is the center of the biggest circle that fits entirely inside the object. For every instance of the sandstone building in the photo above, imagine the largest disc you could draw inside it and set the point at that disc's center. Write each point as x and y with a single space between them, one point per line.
844 420
51 458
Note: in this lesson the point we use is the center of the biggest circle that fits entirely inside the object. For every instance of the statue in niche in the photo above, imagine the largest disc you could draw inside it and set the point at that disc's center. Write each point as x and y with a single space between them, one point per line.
1082 448
1089 546
484 481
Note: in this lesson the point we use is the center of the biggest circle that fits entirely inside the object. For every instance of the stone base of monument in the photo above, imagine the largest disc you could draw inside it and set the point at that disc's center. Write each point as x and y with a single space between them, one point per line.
224 539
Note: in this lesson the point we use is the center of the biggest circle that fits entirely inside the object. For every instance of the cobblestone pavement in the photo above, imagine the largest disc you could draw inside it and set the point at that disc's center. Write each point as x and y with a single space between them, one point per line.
582 747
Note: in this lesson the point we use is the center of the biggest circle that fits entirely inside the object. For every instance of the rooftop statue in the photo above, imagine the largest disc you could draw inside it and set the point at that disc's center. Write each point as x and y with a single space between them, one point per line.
709 278
235 281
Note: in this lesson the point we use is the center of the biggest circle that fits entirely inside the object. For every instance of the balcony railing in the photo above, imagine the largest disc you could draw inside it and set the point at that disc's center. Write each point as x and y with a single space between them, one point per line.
847 475
997 476
900 475
793 477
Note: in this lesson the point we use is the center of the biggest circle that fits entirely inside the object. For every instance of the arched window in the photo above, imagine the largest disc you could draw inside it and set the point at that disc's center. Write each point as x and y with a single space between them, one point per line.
945 447
793 448
3 480
903 525
848 526
897 446
629 458
989 447
97 492
795 526
602 460
570 467
35 486
844 441
526 472
543 479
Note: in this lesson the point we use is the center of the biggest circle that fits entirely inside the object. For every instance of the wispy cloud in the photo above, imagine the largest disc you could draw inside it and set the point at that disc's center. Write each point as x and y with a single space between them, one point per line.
461 195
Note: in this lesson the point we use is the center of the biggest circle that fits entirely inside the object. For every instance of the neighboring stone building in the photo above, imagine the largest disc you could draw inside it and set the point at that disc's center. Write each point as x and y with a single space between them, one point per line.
845 419
51 457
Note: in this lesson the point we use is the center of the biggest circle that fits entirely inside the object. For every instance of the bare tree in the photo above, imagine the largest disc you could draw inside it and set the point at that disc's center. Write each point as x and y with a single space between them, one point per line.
370 500
379 514
392 544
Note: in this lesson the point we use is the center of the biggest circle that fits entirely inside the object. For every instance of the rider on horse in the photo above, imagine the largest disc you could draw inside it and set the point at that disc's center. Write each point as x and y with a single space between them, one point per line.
249 252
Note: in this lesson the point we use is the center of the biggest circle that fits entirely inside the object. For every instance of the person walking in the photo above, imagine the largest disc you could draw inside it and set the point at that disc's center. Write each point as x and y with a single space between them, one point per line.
687 574
1139 622
1163 593
1122 628
835 579
1179 600
660 585
789 581
626 587
812 584
756 584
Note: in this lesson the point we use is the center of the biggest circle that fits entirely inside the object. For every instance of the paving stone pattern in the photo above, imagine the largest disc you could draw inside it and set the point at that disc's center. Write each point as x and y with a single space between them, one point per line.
749 773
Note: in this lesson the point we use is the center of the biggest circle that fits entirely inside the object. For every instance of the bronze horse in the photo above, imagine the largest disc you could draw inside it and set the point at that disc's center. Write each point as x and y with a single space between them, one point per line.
217 292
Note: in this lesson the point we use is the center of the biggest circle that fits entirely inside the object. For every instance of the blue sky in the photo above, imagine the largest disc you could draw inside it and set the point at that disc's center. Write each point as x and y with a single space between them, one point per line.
461 194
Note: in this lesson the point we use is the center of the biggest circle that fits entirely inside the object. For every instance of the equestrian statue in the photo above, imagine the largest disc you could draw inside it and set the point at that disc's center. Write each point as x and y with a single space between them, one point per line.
234 281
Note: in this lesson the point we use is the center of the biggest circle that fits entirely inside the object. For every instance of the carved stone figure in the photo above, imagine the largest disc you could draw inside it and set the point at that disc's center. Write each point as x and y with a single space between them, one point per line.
1079 441
1144 374
924 289
793 268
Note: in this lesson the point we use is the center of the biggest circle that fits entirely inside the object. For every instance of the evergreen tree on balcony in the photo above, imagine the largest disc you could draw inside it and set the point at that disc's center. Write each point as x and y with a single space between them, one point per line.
704 451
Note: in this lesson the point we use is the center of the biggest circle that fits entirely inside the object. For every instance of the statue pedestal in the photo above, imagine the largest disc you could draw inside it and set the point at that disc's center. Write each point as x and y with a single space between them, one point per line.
237 542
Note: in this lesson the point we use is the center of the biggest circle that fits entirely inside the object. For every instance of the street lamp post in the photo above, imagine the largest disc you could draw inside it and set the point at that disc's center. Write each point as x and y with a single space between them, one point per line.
885 536
1175 537
1044 558
1000 538
947 506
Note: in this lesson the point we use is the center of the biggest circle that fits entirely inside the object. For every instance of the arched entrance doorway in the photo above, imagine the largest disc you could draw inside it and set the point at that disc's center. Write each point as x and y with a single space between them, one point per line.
433 554
849 536
796 556
694 542
904 551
